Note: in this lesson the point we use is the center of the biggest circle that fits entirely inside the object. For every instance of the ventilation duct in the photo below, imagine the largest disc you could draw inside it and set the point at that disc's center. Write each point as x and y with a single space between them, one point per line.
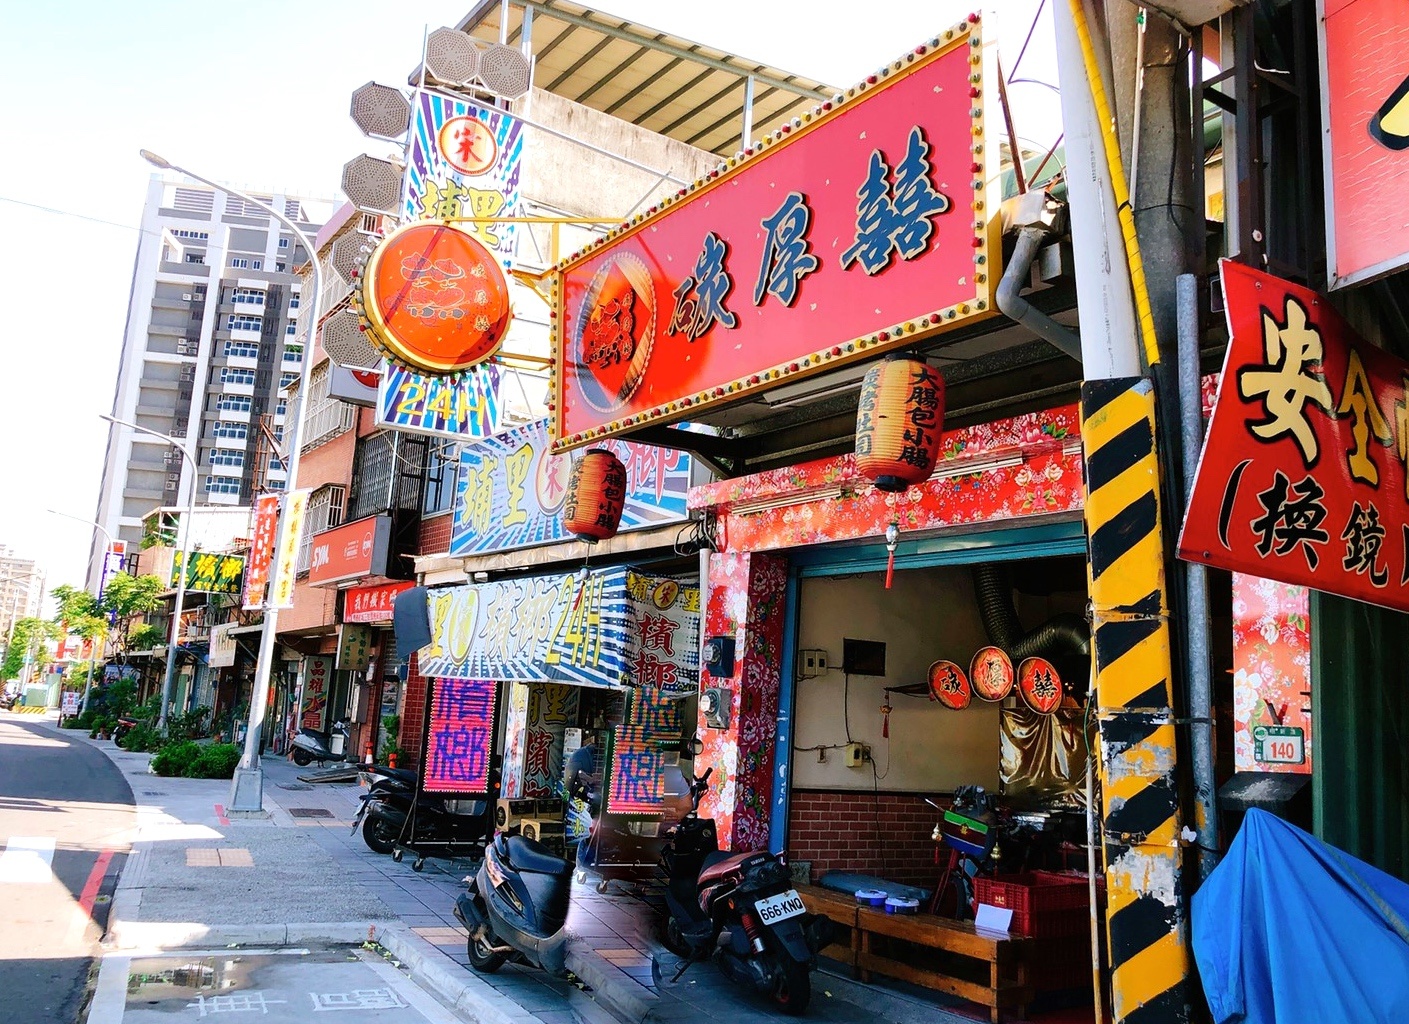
1063 634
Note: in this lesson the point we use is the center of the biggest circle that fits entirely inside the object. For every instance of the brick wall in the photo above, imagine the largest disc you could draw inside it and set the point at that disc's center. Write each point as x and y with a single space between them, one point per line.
413 715
435 535
836 831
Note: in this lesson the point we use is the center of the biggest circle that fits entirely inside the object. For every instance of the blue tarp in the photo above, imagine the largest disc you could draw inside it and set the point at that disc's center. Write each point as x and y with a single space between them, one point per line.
1288 930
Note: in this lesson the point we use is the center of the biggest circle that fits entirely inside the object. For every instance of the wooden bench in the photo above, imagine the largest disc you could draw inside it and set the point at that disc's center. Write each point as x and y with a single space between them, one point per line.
1007 957
841 909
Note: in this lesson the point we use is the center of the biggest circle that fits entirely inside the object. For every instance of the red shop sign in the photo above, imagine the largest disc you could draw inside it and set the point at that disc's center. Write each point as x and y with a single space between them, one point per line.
863 227
1302 478
350 551
372 604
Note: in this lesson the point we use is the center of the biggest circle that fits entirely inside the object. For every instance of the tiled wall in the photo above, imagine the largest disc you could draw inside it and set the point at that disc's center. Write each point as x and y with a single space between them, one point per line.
837 831
413 715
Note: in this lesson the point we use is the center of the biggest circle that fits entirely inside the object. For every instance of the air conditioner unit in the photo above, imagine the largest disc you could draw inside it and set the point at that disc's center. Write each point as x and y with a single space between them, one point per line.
186 296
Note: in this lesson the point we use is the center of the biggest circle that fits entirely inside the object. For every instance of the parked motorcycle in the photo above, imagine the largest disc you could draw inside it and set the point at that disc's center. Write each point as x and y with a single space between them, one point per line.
310 745
516 906
125 724
740 909
381 831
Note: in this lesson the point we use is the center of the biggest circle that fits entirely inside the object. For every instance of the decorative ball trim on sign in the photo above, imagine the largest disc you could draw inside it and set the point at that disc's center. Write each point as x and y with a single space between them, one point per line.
899 420
434 299
596 496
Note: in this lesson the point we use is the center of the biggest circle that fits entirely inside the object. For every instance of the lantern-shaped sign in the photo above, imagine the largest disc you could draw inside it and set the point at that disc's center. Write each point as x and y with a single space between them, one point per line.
992 672
898 423
434 299
596 494
949 685
1040 685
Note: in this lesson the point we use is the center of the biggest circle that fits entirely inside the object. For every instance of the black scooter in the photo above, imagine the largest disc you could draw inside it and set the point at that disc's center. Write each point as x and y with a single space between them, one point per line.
380 831
740 909
516 906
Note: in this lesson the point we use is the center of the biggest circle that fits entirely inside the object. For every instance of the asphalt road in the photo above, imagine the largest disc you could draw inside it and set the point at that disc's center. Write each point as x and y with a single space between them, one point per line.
66 817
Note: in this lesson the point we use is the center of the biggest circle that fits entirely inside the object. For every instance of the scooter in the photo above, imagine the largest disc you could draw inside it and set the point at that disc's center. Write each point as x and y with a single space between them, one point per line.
380 832
516 906
740 909
310 746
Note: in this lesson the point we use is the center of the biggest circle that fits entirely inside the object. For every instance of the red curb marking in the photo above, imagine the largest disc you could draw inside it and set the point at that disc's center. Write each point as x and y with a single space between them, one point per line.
220 814
95 879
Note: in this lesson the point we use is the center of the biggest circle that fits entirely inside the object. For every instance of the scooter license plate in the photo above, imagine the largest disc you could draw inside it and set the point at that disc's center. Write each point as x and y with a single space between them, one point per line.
773 909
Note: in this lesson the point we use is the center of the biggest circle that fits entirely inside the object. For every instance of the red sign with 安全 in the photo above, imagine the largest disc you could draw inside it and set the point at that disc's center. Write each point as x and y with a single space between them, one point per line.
859 229
372 604
1303 476
261 556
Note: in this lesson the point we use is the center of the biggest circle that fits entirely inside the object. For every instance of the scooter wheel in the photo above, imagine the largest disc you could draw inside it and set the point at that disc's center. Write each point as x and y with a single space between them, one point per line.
793 990
302 758
482 958
674 938
419 864
379 836
396 855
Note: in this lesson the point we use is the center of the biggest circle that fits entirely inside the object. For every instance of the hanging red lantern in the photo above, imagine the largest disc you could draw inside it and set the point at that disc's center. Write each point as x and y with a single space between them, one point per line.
898 423
596 494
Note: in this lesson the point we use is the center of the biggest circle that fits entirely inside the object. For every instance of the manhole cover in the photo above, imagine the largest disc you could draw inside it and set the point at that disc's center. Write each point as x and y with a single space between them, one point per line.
309 812
294 785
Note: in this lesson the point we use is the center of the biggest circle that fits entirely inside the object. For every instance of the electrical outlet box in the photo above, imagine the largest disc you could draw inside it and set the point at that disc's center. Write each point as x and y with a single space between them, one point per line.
811 663
852 755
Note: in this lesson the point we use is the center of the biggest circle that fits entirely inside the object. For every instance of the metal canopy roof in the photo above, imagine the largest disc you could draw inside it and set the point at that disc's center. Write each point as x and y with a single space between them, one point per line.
681 89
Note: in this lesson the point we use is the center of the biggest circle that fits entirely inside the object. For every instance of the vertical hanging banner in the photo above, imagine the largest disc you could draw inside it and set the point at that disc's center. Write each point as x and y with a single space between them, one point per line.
281 593
354 648
1303 475
459 743
462 160
317 681
266 527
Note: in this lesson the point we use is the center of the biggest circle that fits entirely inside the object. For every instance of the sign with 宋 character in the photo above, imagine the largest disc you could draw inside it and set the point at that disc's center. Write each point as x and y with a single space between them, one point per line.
459 737
865 226
1303 477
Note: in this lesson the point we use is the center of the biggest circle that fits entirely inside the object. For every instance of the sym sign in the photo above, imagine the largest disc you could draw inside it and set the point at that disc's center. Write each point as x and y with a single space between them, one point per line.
868 225
350 551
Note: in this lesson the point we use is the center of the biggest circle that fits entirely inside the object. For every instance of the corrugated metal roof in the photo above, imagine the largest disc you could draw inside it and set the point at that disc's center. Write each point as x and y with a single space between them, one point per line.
669 85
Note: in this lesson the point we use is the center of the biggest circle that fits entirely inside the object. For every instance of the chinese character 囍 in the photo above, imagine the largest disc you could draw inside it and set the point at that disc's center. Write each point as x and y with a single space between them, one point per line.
1292 518
786 260
699 298
1291 377
1363 535
895 217
1044 688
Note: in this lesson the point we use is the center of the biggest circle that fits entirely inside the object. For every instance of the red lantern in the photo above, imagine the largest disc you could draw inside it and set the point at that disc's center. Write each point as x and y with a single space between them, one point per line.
898 423
596 494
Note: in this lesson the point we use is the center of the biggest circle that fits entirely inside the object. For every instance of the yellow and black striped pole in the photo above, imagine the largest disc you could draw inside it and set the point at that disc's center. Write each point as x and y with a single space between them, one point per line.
1145 912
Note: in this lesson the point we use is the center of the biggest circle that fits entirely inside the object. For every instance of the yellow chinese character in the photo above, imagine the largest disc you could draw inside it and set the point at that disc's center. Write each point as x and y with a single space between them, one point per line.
516 472
442 202
1358 400
485 202
479 495
1291 378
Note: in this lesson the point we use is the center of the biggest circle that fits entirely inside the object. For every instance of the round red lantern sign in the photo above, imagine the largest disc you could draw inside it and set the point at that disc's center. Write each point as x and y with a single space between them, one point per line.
992 672
435 299
949 685
1040 685
596 495
898 423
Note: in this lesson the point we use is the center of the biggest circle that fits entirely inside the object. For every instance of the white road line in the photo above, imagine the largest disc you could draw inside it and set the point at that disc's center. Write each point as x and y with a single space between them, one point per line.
27 860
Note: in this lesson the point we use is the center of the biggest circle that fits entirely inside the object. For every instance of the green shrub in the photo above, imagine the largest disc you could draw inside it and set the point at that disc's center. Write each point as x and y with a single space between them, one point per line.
176 758
75 722
216 761
189 725
142 736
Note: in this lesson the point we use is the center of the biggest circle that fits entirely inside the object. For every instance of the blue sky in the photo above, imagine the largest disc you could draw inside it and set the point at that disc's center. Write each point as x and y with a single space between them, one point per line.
256 94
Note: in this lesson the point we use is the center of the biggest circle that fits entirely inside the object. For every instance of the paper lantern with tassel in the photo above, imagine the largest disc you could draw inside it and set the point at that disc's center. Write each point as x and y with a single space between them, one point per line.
898 423
596 494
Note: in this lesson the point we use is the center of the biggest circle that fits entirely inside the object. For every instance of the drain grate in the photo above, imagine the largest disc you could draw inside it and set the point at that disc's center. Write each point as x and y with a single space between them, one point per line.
309 812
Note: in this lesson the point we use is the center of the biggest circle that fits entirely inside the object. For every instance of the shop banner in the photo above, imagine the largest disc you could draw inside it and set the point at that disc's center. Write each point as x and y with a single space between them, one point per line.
354 648
463 407
210 573
281 590
611 627
266 528
510 490
350 551
459 737
222 645
317 683
1365 114
372 604
112 563
864 229
1271 676
1302 478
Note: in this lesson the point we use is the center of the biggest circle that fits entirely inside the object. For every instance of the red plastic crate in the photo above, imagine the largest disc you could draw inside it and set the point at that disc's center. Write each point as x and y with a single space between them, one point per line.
1044 904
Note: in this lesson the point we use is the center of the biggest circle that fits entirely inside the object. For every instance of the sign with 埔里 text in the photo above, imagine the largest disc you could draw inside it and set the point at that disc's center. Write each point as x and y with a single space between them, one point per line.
1303 475
511 489
867 227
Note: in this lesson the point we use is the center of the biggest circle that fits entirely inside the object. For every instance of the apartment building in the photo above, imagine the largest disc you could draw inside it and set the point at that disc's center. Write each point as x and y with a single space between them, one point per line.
21 590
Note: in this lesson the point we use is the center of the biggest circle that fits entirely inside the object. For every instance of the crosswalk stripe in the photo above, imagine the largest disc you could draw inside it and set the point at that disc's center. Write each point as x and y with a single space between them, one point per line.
27 860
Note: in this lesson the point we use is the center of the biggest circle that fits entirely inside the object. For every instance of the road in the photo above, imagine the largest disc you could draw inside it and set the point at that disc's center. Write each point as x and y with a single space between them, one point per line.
66 818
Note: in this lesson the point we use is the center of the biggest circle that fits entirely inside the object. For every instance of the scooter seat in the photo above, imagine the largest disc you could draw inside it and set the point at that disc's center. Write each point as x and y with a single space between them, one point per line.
714 870
526 855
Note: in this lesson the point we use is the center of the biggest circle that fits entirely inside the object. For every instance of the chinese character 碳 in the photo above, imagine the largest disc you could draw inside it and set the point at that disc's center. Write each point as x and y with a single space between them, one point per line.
1289 523
1291 377
699 298
895 217
786 260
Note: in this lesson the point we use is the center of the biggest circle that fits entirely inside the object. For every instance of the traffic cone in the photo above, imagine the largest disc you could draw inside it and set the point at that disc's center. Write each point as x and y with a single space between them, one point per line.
367 753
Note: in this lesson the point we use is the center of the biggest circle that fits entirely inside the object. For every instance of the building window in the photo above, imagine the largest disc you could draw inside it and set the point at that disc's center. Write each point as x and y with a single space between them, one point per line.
274 485
293 302
280 267
286 378
442 463
239 262
248 296
187 233
283 243
244 322
234 403
227 457
293 354
256 264
231 431
325 510
235 375
282 407
222 485
197 258
242 349
291 330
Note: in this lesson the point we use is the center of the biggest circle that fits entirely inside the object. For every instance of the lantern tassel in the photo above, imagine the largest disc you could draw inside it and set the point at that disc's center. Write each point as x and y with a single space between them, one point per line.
892 539
885 719
890 568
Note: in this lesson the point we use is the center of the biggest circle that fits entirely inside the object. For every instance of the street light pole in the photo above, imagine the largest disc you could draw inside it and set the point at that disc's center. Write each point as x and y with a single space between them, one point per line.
247 791
92 644
183 556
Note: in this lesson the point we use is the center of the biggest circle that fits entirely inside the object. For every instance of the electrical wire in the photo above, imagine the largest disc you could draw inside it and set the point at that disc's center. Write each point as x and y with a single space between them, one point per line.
79 216
846 704
1030 30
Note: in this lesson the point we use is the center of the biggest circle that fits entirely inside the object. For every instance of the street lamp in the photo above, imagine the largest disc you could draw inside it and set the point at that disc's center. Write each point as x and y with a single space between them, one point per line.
92 645
247 790
183 556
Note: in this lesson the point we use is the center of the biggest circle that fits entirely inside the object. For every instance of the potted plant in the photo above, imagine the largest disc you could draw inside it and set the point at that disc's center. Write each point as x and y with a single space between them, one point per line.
391 750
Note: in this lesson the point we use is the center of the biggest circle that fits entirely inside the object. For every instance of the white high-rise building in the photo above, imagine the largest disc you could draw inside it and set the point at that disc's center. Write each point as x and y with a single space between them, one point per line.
213 336
21 590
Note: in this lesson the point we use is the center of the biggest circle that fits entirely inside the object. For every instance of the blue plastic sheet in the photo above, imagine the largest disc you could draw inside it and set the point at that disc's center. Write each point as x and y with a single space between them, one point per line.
1288 930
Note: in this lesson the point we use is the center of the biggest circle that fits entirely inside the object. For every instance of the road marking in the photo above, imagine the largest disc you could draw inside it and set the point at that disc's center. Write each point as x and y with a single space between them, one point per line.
220 814
95 881
27 860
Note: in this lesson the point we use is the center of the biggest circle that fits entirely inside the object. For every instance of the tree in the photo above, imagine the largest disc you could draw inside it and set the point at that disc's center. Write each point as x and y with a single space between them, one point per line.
29 636
128 595
79 613
143 638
